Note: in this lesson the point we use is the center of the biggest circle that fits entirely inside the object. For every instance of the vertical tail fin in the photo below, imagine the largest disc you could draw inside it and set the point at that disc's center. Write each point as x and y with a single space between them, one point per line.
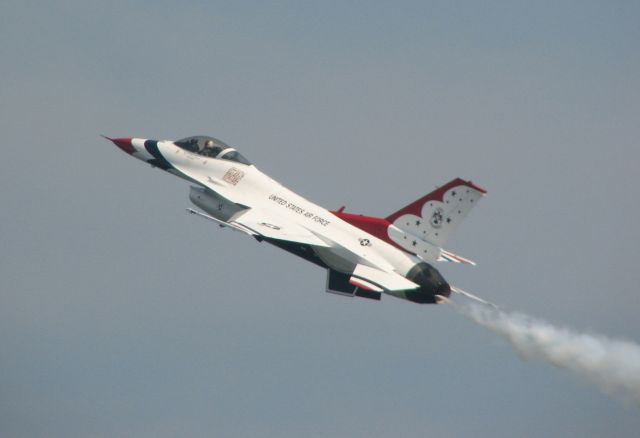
435 216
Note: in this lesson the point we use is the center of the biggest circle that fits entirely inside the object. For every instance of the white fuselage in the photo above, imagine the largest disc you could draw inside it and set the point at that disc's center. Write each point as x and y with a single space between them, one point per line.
237 183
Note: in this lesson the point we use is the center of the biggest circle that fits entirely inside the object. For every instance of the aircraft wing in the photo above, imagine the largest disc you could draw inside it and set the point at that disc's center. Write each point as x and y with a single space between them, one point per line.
267 225
377 280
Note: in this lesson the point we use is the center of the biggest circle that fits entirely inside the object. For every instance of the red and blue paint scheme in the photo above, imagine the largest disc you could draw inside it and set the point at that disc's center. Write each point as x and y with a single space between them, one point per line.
364 256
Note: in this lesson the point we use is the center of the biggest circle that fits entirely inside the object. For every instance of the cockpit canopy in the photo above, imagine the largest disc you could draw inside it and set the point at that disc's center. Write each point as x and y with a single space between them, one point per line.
211 147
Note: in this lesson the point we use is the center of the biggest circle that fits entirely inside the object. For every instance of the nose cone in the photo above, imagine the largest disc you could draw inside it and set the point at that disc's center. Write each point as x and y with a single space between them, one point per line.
123 143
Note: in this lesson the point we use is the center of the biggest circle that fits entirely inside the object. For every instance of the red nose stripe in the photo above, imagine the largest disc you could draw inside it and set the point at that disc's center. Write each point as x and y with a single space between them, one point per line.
124 144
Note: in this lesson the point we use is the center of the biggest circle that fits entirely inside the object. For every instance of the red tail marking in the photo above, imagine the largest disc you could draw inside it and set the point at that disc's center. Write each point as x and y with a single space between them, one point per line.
415 208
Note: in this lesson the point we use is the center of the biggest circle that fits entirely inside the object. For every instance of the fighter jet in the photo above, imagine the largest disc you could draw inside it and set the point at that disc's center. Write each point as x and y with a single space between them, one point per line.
364 256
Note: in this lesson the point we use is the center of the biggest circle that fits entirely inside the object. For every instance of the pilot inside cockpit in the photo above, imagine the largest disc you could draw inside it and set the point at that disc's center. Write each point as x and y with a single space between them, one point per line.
211 147
208 149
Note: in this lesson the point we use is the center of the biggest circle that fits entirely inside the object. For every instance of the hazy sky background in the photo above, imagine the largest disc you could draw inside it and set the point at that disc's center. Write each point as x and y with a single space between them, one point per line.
121 315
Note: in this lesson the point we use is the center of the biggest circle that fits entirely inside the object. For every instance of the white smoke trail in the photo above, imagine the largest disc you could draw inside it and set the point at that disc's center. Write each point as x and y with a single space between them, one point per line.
611 364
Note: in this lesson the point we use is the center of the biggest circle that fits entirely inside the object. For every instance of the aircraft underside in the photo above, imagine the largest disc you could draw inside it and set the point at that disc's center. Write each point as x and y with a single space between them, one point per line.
432 283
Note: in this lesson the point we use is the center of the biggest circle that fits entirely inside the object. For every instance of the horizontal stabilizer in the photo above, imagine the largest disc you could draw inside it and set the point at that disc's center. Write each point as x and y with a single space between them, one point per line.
446 256
376 280
363 284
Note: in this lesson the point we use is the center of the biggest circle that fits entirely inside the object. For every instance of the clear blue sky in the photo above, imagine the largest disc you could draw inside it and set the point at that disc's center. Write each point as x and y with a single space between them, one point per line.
120 315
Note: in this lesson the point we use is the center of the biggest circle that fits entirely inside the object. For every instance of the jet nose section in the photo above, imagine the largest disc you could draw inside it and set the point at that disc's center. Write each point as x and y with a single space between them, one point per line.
123 143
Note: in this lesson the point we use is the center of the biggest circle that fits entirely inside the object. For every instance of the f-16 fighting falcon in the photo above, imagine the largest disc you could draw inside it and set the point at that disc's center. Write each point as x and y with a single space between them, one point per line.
364 256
